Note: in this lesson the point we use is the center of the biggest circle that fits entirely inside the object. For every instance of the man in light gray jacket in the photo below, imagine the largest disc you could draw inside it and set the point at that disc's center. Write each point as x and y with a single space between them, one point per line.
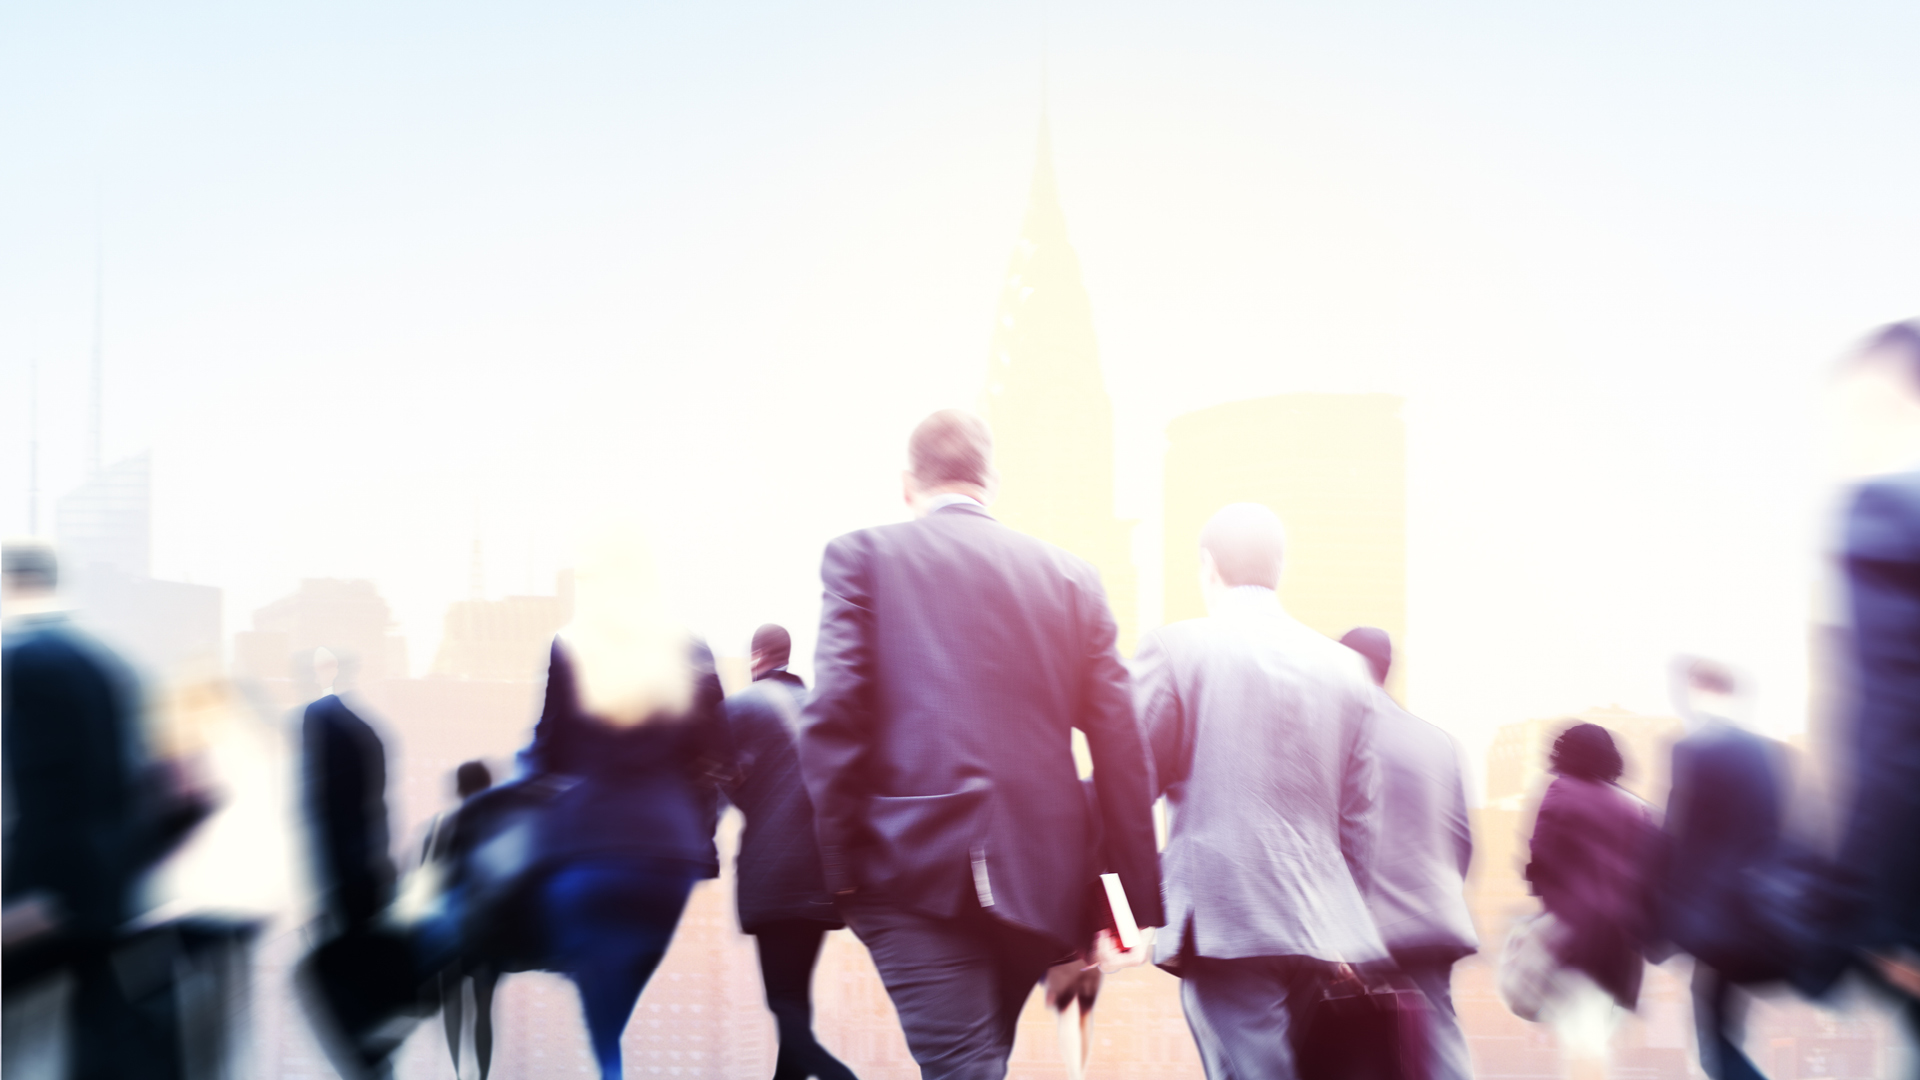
1260 734
1418 884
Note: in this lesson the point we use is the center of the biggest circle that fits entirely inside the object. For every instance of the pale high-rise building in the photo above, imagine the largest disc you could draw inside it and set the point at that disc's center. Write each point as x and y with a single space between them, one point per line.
1334 467
1048 406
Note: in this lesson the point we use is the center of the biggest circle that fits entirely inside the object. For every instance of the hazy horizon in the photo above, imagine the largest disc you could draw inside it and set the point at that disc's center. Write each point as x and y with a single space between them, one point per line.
378 280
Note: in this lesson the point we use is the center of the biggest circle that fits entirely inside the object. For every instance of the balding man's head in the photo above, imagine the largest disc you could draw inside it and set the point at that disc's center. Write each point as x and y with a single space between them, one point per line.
951 447
1246 543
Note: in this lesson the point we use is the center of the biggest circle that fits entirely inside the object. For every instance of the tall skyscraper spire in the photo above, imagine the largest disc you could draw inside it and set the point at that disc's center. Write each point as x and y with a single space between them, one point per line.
1047 403
97 389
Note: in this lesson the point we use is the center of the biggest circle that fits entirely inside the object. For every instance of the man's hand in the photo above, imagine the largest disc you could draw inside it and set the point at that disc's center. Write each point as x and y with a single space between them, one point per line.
1109 957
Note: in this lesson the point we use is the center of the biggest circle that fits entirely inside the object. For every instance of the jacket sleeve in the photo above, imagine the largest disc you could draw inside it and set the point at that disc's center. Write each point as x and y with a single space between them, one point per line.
1156 696
1360 795
1883 568
837 728
1458 822
1122 773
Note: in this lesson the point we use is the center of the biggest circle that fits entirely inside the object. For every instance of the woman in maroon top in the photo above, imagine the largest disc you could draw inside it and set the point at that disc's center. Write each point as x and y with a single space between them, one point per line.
1591 846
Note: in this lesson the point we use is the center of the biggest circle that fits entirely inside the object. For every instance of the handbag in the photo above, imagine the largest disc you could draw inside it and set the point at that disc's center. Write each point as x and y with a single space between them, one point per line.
1365 1027
1531 976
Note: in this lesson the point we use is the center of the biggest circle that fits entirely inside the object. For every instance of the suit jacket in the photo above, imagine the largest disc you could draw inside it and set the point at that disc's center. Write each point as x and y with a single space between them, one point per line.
954 656
1882 559
647 791
68 730
1261 735
1723 831
778 875
1592 847
1418 887
345 766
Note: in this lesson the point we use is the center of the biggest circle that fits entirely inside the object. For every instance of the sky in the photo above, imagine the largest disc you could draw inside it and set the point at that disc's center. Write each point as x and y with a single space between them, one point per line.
380 279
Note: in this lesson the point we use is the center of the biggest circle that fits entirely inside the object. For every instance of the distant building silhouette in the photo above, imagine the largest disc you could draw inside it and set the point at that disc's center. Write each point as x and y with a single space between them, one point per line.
1334 467
502 639
108 520
348 617
1048 406
105 538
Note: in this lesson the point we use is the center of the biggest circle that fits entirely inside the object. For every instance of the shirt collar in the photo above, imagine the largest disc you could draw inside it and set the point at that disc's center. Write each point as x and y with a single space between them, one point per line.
1249 598
952 498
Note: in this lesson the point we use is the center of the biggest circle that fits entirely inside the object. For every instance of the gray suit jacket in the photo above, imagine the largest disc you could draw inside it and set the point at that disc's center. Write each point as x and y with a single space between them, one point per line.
1418 881
1260 732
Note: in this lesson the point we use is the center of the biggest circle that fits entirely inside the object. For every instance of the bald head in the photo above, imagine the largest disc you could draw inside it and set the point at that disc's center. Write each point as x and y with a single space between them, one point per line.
1246 543
951 447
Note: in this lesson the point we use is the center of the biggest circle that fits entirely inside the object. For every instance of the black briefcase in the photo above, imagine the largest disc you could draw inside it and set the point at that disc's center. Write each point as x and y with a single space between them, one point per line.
1370 1027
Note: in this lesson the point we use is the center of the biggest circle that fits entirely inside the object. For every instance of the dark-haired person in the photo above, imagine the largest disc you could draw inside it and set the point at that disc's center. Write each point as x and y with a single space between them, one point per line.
1261 732
1592 844
955 656
781 896
470 779
1879 873
1418 888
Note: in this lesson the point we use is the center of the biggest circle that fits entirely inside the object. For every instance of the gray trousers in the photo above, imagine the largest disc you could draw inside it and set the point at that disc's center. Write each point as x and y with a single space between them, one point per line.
1243 1012
957 984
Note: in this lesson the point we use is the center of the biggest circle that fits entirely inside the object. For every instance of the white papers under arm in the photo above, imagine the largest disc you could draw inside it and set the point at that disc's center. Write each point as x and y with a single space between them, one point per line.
1124 927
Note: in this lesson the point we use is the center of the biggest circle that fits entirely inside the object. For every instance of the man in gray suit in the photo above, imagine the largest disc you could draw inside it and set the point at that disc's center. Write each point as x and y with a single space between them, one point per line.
1260 734
1418 884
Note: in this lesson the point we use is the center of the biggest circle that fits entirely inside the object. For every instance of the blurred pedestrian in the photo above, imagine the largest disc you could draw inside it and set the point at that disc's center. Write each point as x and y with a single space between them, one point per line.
955 657
632 728
469 976
1417 890
358 974
1592 845
1724 840
1880 876
345 765
74 835
782 896
1261 733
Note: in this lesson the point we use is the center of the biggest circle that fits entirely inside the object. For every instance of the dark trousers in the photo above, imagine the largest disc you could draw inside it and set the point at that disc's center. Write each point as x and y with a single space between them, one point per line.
1446 1043
1244 1012
1719 1017
608 923
958 984
788 951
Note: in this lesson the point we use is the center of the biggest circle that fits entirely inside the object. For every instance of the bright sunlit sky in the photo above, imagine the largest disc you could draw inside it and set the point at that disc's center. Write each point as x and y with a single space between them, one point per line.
379 277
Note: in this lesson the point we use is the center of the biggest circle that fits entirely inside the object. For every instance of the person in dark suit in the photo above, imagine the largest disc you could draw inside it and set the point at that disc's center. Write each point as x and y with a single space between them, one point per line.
955 655
782 897
71 745
633 729
1724 835
345 765
1880 893
1261 730
1417 889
